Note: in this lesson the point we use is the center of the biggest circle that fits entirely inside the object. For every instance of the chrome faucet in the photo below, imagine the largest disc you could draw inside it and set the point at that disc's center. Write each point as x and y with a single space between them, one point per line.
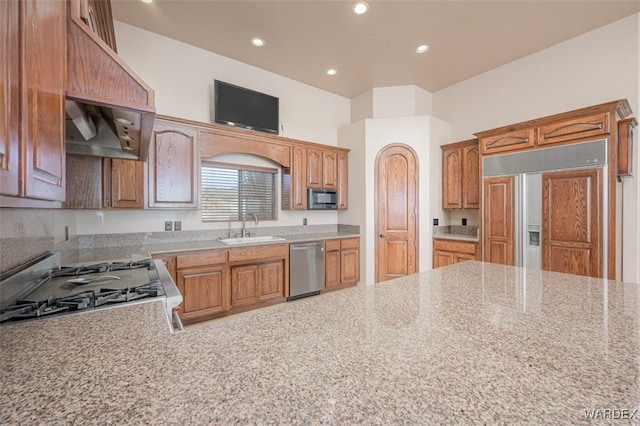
244 223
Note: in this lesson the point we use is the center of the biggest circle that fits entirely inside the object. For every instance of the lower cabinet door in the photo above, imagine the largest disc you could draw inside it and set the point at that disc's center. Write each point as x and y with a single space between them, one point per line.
349 266
442 258
204 290
271 278
244 285
332 269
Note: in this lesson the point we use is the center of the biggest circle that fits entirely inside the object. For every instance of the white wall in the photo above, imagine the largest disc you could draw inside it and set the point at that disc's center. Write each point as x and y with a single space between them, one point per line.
600 66
366 138
182 77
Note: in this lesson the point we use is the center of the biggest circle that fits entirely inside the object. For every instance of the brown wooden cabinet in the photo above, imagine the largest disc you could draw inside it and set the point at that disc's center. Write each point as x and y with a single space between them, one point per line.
294 179
84 182
258 274
123 183
203 281
32 160
447 252
571 222
602 121
498 227
625 146
322 168
97 183
244 285
9 98
329 169
314 168
304 164
343 180
174 167
97 15
342 263
569 130
461 175
507 140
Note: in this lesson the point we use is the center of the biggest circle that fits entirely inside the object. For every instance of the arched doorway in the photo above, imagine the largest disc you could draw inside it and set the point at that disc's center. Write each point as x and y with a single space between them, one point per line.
396 212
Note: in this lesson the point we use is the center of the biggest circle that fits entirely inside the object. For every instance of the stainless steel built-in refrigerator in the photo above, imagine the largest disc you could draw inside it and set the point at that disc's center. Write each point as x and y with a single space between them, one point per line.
547 235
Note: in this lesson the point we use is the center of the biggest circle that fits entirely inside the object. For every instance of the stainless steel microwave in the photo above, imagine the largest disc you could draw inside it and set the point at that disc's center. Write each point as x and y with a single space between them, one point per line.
322 199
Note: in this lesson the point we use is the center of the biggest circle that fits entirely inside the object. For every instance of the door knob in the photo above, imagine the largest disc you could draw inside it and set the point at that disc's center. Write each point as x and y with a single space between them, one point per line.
381 235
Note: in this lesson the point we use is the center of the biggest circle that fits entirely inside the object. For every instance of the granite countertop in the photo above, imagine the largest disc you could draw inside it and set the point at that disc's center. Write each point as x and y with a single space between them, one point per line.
130 248
471 343
453 232
458 237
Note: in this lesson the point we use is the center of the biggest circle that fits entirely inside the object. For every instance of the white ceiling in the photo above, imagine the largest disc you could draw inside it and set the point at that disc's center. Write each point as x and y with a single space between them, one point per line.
305 38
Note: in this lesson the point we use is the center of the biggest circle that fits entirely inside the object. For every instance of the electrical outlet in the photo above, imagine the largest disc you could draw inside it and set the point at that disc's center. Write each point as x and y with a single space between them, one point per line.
464 221
304 221
177 225
435 222
168 225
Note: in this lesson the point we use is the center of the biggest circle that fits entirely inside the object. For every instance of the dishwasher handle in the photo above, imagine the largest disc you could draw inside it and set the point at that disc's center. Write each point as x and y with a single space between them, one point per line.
306 246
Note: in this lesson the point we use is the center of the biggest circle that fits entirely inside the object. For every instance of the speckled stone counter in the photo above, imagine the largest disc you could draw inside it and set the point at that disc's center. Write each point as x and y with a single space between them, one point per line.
453 232
470 343
122 246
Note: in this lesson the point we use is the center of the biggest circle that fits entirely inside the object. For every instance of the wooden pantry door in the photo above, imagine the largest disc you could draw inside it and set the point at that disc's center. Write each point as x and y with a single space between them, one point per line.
396 212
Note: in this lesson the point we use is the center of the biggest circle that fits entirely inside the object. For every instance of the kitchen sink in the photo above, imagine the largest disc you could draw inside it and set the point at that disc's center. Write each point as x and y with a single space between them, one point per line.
248 240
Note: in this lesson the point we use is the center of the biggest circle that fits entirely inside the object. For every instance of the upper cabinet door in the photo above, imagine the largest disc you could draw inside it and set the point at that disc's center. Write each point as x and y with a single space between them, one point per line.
314 168
124 183
343 181
461 175
471 177
174 166
43 73
452 178
329 170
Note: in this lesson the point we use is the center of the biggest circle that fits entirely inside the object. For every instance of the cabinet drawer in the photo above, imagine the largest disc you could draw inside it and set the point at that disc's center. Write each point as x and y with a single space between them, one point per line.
593 125
350 243
279 251
202 259
455 246
332 245
510 141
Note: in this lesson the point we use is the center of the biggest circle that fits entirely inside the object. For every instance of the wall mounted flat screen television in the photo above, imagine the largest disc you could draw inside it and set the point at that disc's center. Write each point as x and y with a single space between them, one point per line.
240 107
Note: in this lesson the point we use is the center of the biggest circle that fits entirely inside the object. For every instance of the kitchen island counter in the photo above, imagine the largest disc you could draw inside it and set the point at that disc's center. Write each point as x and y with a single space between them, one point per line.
467 343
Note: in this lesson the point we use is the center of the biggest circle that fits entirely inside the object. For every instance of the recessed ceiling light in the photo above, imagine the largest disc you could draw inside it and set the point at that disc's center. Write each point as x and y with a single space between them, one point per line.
332 71
360 8
257 41
422 48
148 1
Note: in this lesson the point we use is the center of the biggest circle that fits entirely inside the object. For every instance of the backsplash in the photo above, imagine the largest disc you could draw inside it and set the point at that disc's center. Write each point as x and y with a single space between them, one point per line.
471 231
145 238
25 234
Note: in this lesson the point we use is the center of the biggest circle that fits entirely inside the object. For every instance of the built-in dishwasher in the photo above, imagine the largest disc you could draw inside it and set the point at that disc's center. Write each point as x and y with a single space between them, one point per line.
306 269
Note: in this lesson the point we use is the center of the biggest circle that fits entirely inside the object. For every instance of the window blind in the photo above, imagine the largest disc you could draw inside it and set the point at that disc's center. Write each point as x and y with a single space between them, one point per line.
231 191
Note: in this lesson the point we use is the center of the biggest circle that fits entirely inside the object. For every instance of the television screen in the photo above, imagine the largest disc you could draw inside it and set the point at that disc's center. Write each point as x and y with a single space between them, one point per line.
240 107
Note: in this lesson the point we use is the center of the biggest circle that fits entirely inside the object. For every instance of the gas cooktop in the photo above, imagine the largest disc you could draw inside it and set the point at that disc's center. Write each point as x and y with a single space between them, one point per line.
47 289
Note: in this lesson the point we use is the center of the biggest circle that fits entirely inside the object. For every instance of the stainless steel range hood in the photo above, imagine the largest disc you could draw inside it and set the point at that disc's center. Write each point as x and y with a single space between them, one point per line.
93 130
109 109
